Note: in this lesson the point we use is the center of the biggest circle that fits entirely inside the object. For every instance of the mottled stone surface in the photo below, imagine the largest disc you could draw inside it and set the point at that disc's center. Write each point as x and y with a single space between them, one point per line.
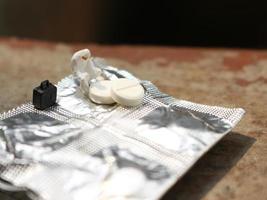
236 168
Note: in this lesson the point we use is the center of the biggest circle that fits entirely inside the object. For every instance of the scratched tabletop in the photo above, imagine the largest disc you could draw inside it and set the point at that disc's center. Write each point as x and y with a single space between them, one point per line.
236 168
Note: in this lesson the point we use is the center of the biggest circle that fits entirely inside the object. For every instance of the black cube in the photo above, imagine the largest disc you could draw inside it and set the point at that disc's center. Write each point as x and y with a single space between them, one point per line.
44 95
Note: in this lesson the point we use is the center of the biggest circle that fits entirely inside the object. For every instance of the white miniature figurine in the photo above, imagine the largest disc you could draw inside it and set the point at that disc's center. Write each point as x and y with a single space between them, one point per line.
83 65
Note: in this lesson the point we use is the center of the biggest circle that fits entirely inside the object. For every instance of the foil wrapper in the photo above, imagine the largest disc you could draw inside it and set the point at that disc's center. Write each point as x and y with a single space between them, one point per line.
80 150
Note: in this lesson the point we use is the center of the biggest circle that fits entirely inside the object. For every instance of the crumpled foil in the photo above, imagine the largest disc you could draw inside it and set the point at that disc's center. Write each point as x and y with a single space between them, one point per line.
80 150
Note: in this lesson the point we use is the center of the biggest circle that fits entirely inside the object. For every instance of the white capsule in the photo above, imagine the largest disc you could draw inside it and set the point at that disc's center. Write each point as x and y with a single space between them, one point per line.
127 92
99 92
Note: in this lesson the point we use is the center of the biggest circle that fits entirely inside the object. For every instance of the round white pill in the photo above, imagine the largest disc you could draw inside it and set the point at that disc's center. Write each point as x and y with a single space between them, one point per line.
85 84
127 92
99 92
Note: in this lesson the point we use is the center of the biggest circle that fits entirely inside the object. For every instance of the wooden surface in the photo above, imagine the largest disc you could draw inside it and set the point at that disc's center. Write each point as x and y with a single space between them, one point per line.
236 168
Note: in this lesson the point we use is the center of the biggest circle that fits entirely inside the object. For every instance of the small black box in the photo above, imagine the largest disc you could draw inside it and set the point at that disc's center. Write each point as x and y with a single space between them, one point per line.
44 95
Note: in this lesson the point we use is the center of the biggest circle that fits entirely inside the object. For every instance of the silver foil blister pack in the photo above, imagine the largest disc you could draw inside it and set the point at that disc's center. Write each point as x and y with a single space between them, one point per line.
81 150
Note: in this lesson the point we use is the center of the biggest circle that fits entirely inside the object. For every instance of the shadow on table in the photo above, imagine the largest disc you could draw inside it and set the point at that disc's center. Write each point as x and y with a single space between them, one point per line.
211 168
5 195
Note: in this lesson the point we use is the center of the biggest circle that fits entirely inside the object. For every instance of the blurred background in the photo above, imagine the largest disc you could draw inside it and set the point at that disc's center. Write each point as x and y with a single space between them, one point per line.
209 23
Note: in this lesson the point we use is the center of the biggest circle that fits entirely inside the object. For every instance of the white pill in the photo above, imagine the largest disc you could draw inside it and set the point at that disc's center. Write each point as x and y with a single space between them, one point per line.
127 92
85 84
99 92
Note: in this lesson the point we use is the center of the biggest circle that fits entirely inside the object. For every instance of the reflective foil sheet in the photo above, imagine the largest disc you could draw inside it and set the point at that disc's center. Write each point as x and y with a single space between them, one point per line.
80 150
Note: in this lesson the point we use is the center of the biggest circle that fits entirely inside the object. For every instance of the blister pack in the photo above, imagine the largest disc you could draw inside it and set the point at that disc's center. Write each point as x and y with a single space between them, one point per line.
78 149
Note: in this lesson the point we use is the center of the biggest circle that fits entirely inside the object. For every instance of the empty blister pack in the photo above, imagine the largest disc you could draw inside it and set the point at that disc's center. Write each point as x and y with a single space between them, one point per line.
78 149
96 164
